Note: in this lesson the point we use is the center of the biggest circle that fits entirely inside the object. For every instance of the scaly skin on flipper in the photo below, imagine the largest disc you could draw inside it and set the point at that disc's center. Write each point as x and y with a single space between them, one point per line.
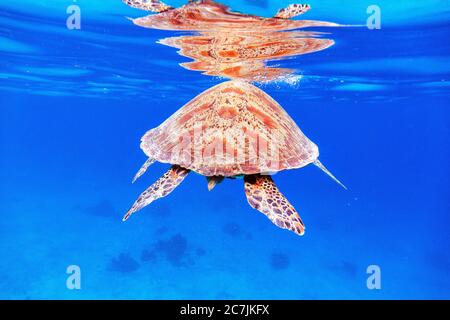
292 10
263 195
148 5
161 188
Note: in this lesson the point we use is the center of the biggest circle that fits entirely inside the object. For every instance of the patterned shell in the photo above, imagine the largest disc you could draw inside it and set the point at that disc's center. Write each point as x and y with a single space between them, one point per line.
242 55
229 130
209 15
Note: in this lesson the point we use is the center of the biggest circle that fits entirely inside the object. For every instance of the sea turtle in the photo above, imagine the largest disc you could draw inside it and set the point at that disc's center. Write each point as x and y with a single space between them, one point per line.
207 15
230 44
231 130
238 54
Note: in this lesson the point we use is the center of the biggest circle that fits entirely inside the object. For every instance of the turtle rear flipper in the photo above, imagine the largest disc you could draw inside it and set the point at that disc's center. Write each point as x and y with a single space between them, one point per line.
148 5
161 188
292 10
263 195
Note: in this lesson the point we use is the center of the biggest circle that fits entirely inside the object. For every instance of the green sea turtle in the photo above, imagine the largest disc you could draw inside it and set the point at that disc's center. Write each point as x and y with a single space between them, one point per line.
237 54
210 15
233 45
231 130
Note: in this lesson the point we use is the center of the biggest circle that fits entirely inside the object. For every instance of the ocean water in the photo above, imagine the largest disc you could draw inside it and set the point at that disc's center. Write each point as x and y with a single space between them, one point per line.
75 103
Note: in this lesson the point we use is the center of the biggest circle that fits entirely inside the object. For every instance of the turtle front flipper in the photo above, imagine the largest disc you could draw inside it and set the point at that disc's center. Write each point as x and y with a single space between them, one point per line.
292 10
148 5
143 169
161 188
263 195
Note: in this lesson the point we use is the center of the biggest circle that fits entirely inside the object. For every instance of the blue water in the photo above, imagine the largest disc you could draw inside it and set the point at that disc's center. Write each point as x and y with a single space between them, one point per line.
74 104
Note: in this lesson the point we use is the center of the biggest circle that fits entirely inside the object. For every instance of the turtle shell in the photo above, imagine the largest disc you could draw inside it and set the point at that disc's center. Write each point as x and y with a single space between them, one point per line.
209 15
242 55
232 129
